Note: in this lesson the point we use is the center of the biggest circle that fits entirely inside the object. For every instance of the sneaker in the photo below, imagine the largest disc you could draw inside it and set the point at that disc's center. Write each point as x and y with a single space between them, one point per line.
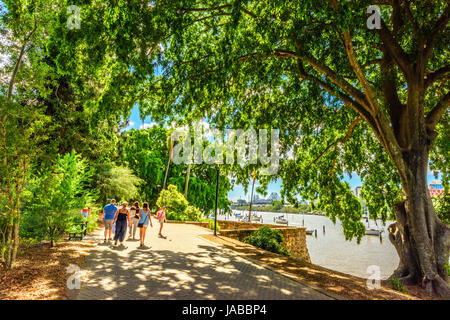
115 242
104 241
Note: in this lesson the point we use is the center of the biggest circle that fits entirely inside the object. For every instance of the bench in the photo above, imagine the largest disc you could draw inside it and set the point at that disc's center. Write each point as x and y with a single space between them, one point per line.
78 233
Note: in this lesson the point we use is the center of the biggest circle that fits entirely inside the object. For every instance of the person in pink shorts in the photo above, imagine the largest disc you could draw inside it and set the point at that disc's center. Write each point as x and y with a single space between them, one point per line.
161 217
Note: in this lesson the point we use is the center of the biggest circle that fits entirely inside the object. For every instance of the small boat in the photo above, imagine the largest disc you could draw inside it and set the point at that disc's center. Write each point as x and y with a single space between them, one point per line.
242 218
373 232
310 232
280 220
256 219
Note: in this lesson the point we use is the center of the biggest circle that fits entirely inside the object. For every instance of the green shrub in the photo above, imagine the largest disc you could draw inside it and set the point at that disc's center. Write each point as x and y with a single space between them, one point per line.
268 239
211 225
193 213
177 207
59 193
397 284
175 203
442 206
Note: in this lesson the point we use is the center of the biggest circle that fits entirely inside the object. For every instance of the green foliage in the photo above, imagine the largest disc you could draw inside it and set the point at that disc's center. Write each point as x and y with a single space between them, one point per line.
275 64
177 207
56 198
276 205
442 206
117 182
397 284
268 239
145 153
192 213
211 225
175 203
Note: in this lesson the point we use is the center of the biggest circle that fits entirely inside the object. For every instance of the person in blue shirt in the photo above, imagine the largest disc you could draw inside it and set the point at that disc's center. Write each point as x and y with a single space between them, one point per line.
144 219
109 212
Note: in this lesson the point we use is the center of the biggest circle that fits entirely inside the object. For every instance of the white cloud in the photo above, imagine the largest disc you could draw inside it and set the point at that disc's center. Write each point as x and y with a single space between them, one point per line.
147 125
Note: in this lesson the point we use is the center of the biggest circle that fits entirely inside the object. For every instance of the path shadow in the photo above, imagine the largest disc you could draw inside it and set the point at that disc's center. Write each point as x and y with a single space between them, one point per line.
209 273
119 248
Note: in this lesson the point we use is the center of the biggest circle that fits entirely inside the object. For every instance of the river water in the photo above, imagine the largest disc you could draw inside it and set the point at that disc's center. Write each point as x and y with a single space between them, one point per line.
332 251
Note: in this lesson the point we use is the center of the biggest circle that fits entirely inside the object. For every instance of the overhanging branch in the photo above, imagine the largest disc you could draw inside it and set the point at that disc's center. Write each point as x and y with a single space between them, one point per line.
342 140
437 112
436 75
437 28
395 50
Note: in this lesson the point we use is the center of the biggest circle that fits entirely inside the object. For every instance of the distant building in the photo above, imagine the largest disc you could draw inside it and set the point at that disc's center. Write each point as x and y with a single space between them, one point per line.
241 201
274 196
356 192
436 189
255 198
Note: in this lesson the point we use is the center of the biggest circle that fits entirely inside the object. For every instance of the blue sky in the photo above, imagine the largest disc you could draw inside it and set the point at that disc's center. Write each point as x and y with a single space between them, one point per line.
135 122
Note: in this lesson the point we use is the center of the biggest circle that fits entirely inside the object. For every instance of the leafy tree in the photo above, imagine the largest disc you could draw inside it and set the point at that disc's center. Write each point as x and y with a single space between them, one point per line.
442 206
348 99
58 195
22 121
277 205
177 207
144 152
119 182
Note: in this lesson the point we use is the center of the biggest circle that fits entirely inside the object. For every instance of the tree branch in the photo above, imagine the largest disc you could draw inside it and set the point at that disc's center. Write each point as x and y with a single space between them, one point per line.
357 70
437 112
328 73
407 9
19 60
438 27
342 140
225 6
431 77
395 50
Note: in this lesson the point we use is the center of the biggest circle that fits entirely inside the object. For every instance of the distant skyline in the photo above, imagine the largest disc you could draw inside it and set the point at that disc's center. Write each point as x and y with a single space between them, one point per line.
135 122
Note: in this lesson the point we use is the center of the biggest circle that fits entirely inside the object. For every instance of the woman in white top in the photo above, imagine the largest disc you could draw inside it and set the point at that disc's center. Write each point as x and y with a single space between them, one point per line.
134 220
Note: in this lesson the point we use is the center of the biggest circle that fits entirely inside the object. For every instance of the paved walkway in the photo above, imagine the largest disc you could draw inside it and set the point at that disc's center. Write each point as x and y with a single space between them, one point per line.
183 266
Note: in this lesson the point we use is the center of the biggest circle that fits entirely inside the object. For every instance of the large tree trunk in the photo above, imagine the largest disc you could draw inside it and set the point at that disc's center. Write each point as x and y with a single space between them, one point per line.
421 239
9 246
188 175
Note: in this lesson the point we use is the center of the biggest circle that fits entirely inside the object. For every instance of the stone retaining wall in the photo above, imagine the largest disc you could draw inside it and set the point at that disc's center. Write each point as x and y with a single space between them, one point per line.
235 225
294 238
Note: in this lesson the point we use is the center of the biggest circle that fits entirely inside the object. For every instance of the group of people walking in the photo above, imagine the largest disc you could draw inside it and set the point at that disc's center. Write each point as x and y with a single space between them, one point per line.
132 219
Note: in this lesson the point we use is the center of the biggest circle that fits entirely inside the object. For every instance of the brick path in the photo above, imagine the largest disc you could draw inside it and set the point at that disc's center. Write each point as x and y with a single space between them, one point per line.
183 266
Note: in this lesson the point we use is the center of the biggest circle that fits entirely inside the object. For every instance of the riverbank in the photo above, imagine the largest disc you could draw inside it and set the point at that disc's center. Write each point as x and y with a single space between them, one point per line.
40 272
276 209
344 285
330 249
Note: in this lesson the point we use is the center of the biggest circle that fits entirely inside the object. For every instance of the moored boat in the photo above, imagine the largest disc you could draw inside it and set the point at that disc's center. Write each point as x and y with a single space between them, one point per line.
280 220
373 232
256 218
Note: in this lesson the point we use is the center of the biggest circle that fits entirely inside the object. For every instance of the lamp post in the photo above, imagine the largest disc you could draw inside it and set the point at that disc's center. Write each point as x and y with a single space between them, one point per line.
217 195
